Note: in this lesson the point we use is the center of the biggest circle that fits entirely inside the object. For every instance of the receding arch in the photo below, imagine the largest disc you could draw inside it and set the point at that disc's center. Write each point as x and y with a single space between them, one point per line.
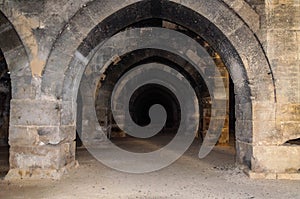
214 21
15 81
234 41
16 58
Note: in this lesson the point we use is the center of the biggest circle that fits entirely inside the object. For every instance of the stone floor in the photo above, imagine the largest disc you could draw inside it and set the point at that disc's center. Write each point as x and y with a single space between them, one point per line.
213 177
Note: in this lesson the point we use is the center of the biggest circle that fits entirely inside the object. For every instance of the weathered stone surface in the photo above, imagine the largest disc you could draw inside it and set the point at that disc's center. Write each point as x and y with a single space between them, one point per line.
44 161
18 67
42 135
246 12
68 113
37 173
257 40
35 112
23 136
244 130
21 87
288 176
68 133
288 120
267 176
243 111
44 157
276 159
244 151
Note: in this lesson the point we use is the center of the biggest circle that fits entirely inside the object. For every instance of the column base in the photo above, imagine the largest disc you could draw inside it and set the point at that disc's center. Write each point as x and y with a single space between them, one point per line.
37 173
272 176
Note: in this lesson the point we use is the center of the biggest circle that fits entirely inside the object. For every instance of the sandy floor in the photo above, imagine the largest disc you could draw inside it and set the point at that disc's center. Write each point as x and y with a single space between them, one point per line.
213 177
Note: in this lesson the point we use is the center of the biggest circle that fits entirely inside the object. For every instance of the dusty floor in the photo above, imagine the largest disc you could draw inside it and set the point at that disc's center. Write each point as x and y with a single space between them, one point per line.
213 177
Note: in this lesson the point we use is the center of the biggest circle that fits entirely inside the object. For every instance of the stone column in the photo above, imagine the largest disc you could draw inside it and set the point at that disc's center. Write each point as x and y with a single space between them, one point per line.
41 138
274 125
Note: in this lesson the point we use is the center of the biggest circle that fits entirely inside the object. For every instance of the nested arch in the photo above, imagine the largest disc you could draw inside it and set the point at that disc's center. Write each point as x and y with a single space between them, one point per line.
214 21
16 58
232 38
15 82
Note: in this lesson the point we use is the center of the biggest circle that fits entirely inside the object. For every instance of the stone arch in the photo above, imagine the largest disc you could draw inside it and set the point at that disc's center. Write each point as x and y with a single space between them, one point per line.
134 58
17 74
228 32
16 58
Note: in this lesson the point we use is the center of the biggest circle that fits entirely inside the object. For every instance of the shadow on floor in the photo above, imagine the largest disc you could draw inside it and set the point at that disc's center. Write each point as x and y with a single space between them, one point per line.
4 163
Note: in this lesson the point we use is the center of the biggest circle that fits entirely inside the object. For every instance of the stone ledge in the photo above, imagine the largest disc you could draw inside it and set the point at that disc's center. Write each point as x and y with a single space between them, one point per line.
272 176
37 174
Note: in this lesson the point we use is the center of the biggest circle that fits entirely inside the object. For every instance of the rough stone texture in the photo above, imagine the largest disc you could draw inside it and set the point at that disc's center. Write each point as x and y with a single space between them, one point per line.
258 41
273 176
245 11
41 161
282 46
285 159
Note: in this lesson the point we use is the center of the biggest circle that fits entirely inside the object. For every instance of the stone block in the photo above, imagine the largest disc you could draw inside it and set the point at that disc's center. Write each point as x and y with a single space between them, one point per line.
244 152
21 87
267 176
264 115
94 7
241 35
245 11
18 67
35 112
68 113
52 84
263 111
288 176
243 130
38 173
243 111
72 81
276 159
265 133
288 112
290 129
43 157
68 133
70 38
243 93
83 23
49 135
283 15
23 136
227 22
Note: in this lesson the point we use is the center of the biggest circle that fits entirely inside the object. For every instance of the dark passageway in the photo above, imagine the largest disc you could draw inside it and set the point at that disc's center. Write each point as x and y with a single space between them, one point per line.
5 96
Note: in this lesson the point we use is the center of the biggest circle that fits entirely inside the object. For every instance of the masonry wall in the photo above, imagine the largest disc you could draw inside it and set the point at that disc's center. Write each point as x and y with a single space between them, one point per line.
42 38
279 35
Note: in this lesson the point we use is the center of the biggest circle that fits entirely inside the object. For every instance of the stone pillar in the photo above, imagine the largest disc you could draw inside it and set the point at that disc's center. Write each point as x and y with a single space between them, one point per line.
275 124
41 138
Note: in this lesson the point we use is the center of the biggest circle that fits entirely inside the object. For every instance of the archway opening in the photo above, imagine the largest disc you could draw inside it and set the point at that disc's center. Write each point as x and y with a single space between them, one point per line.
145 97
211 38
5 97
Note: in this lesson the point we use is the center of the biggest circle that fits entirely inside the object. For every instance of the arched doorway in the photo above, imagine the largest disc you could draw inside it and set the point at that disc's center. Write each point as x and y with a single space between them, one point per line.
15 82
232 40
5 97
